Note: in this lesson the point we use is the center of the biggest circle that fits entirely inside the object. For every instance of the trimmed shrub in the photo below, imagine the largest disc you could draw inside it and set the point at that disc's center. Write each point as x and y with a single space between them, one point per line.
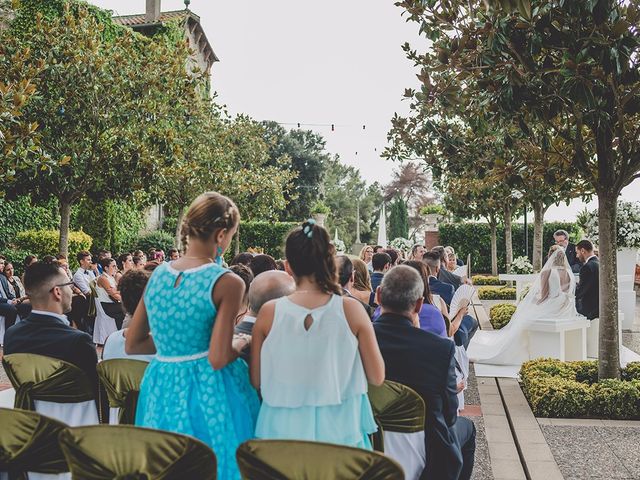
19 215
267 236
479 280
571 389
475 239
45 242
158 239
501 314
496 293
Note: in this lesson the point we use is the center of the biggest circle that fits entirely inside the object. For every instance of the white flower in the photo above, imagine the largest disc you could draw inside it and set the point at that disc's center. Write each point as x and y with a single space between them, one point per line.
339 244
628 220
403 244
521 265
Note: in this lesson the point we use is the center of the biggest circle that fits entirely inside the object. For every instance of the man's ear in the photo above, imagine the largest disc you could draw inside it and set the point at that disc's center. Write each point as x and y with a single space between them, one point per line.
419 304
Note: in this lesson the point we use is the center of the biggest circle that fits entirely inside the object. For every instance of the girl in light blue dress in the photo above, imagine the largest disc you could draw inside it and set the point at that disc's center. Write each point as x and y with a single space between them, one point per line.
196 385
314 352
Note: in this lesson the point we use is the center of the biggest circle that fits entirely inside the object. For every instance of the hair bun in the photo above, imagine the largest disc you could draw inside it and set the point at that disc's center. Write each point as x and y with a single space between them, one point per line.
307 227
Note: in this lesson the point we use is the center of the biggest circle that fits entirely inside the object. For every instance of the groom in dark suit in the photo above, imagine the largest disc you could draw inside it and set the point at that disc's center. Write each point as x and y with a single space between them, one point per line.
587 292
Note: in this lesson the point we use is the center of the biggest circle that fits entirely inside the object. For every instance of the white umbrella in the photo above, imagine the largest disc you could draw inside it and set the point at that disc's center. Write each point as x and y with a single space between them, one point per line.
382 230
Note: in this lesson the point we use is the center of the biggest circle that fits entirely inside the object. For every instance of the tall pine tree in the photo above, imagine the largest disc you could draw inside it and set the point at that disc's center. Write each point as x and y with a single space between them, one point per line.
398 219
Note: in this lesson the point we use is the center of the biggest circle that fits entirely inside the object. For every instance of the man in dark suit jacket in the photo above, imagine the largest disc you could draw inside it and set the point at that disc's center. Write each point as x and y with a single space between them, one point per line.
443 274
265 287
46 330
562 238
469 325
381 263
426 363
588 289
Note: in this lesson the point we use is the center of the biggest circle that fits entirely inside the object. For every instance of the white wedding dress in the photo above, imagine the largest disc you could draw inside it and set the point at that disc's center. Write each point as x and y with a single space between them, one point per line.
550 298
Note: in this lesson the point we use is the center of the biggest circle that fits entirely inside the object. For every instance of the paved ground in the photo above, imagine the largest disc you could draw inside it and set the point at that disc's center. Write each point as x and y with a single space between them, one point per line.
482 466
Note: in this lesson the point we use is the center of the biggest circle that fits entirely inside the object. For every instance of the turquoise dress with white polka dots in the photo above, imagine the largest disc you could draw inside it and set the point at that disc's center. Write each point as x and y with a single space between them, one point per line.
180 391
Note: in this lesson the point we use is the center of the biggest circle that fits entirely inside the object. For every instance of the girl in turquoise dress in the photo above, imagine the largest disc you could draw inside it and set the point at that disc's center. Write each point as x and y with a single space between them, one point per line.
314 352
196 385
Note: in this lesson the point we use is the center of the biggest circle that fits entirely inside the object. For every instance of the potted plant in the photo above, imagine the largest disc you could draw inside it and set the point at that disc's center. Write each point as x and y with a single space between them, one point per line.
319 212
433 213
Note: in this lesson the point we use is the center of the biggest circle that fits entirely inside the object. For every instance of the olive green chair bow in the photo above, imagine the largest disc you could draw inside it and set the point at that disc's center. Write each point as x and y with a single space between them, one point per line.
293 460
125 452
29 443
36 377
396 408
121 379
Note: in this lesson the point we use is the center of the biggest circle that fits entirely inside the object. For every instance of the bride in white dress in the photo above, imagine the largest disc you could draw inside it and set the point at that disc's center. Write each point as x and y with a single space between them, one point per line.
551 297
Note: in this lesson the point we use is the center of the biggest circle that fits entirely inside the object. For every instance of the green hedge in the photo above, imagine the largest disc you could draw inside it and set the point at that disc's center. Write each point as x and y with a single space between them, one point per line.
45 242
475 239
268 236
501 314
496 293
479 280
19 215
570 389
158 239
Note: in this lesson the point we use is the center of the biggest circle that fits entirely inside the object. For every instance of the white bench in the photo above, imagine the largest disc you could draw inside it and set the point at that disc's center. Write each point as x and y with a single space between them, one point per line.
593 336
562 339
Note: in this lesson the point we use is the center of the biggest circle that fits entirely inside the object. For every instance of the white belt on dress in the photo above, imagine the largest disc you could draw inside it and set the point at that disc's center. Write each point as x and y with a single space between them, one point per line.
183 358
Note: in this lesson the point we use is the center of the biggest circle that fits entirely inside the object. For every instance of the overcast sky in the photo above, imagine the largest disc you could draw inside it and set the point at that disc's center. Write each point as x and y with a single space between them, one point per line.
332 62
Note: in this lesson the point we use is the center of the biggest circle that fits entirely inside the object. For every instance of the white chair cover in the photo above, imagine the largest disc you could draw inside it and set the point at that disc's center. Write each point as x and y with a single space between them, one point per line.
73 414
104 326
41 476
462 374
408 449
1 330
7 398
114 414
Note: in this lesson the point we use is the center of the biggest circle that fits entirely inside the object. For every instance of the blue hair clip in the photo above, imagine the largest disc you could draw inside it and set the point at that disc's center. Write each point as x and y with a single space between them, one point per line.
307 227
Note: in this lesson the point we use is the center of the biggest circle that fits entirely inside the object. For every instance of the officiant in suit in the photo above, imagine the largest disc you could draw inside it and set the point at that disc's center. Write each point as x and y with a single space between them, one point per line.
562 238
587 291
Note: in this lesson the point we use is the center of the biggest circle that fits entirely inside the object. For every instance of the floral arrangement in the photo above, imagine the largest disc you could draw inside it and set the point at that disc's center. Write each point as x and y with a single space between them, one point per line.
339 244
628 220
403 244
521 266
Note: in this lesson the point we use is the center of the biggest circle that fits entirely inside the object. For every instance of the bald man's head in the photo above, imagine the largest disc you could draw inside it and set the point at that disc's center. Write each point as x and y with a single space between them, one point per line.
269 286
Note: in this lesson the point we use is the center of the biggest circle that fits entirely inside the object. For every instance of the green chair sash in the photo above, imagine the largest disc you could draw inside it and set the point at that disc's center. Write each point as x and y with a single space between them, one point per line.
291 459
36 377
396 408
121 379
29 443
101 452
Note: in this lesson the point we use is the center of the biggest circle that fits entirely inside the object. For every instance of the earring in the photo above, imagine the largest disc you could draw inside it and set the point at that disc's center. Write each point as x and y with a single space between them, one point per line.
219 255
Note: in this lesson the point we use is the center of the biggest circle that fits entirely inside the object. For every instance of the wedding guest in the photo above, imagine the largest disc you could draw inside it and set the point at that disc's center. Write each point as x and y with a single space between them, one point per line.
46 330
452 251
125 263
346 278
378 249
132 285
142 255
280 265
262 263
11 306
361 281
159 256
174 254
247 277
393 254
194 385
82 278
366 254
452 259
268 286
138 262
15 284
107 291
445 275
102 254
27 262
426 363
417 252
381 263
309 391
588 289
243 258
85 273
561 238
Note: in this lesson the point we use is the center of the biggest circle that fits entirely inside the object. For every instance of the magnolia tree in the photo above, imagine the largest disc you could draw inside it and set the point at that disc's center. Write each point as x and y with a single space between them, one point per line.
569 67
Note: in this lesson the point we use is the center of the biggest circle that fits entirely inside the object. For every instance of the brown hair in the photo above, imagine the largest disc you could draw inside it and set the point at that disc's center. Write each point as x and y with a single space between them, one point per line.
361 278
132 285
207 214
424 274
309 251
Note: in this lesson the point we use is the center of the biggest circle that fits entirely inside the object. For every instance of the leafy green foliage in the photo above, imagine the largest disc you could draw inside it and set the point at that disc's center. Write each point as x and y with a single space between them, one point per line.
479 280
45 242
267 236
501 314
572 389
398 219
19 215
475 239
157 240
496 293
320 208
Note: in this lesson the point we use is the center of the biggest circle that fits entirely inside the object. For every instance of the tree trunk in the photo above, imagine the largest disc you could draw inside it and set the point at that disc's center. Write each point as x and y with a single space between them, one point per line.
494 246
538 228
609 351
178 239
65 219
507 237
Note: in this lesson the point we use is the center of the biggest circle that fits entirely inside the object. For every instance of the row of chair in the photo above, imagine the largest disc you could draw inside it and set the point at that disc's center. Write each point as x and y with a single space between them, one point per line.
35 445
49 386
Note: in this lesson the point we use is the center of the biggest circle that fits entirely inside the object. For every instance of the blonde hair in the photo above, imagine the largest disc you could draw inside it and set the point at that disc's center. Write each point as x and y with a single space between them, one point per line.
207 214
363 250
361 278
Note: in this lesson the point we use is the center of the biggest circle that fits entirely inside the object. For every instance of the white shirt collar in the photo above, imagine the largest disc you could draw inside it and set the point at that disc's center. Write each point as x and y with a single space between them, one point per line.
62 318
249 319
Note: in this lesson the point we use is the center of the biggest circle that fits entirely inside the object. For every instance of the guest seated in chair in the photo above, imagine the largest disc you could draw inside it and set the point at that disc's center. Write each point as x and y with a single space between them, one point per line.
346 277
445 275
11 304
108 293
132 286
426 363
46 331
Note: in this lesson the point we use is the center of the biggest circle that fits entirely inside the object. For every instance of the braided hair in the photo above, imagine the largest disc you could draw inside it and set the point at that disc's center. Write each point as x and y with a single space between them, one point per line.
208 214
309 251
